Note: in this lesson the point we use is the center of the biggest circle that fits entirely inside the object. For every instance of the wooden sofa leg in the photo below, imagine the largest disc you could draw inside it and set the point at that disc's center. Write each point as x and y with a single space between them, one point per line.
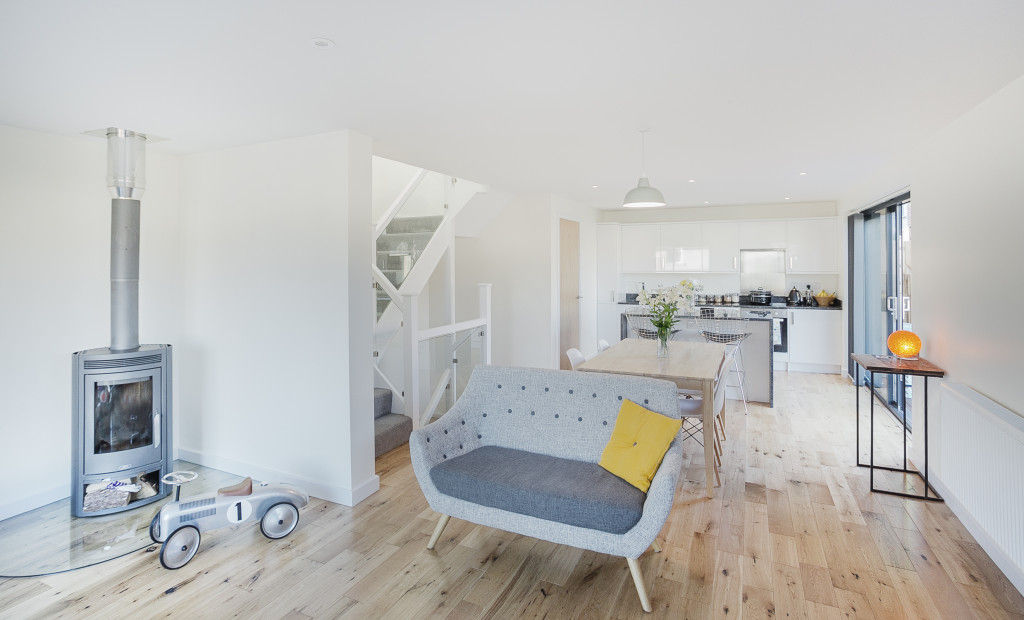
656 546
638 580
437 531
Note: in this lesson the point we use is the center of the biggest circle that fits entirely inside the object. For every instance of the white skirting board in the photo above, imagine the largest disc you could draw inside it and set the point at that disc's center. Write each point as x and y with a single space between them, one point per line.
978 468
316 488
36 500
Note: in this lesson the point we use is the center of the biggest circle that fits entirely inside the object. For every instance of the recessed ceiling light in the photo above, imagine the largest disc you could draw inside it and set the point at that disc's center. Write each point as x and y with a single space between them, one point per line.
787 197
803 174
693 180
593 187
322 43
706 202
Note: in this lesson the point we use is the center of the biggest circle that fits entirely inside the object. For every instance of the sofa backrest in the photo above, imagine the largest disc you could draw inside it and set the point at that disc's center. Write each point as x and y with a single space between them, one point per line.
557 412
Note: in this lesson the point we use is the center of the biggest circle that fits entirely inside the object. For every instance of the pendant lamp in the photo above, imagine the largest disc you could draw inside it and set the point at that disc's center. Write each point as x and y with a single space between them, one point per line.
643 195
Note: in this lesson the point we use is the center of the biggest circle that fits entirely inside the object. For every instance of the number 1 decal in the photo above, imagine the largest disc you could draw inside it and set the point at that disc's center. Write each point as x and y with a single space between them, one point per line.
239 511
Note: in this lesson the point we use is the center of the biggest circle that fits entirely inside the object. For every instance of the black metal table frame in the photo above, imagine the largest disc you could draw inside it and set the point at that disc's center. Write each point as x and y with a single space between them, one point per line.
934 497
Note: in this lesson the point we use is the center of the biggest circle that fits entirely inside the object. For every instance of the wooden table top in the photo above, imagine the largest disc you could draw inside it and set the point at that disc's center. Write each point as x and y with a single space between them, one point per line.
897 366
697 361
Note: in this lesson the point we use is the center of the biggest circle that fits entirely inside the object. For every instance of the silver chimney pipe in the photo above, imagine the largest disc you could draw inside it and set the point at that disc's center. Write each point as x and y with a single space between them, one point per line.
126 178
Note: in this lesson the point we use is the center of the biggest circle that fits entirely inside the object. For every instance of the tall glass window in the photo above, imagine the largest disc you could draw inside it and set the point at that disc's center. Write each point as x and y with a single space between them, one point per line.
880 285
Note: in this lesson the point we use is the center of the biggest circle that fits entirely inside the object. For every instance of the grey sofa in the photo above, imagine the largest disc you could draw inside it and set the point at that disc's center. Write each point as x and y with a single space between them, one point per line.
519 452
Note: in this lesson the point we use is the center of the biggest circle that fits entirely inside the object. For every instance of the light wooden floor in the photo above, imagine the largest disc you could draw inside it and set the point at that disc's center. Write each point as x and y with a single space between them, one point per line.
792 533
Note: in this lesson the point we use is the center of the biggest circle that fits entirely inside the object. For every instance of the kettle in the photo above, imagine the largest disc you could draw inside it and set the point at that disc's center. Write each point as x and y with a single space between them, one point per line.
794 297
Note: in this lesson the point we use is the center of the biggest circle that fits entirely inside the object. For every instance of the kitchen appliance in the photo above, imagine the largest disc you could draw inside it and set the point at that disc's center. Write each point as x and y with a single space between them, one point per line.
780 326
760 297
794 298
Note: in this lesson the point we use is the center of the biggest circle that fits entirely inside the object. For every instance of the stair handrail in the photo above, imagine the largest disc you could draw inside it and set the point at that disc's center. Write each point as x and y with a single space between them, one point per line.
397 205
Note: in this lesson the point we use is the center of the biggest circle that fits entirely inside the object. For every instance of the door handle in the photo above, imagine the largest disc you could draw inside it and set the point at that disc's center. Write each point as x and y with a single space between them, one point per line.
734 261
890 304
791 262
906 304
156 429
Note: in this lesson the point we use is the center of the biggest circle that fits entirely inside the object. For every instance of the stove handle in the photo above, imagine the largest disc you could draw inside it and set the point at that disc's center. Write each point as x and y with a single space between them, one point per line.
156 429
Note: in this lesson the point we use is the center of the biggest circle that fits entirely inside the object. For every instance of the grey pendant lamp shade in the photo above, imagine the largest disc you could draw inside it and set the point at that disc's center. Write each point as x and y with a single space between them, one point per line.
643 195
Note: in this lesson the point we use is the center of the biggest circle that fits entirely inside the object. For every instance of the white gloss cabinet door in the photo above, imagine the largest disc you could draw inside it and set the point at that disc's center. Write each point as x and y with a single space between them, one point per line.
681 248
811 246
763 235
607 242
721 246
815 336
638 246
609 321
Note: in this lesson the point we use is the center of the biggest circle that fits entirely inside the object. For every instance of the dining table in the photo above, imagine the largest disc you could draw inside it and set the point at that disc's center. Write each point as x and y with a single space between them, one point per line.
690 365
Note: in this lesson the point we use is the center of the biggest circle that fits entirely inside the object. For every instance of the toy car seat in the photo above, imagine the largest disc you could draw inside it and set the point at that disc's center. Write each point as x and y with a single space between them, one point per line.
241 489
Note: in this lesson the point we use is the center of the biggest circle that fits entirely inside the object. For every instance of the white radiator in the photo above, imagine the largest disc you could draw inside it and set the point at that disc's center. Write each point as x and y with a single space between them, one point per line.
979 469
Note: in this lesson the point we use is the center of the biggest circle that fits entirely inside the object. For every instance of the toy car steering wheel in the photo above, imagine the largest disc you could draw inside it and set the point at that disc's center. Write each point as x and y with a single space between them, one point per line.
176 478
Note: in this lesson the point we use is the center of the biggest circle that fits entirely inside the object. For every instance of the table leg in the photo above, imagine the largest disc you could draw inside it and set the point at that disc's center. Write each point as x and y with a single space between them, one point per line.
903 398
708 415
856 385
925 437
871 435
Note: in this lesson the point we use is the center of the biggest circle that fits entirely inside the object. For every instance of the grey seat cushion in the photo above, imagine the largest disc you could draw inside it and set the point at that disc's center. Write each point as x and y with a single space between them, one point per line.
546 487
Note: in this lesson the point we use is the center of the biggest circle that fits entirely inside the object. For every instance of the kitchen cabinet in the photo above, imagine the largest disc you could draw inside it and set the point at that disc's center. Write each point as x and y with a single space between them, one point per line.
811 246
721 243
763 235
607 264
680 248
609 321
815 340
639 245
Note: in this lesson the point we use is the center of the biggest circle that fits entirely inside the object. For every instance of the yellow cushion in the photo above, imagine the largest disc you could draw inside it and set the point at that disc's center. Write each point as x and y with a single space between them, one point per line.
639 441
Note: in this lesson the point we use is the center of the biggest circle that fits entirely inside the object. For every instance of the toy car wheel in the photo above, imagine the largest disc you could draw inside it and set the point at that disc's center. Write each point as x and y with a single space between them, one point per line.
154 528
180 547
280 520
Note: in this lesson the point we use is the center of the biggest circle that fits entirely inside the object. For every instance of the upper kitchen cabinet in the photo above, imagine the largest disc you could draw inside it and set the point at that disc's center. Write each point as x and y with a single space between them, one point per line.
639 245
681 248
811 246
721 243
607 243
763 235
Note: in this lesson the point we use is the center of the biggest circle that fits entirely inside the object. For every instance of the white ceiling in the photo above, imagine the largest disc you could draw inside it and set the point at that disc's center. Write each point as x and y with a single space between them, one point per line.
528 96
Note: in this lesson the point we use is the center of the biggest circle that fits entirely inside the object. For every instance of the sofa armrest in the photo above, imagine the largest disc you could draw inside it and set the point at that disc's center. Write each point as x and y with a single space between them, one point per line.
455 433
660 497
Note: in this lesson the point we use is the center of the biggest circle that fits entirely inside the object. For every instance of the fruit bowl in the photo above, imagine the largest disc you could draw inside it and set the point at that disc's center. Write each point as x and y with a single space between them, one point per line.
824 300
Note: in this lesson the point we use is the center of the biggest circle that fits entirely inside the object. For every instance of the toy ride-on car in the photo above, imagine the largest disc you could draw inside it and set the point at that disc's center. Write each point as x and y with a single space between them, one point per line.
178 524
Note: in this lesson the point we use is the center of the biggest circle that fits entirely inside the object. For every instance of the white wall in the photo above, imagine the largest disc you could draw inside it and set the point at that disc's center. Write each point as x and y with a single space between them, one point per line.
518 253
55 293
276 270
967 187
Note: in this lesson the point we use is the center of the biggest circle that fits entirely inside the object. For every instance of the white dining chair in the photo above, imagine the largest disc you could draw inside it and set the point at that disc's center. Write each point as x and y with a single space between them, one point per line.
576 358
691 410
602 345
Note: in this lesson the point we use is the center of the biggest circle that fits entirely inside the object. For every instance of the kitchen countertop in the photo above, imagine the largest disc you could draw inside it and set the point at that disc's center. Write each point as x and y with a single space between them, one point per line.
750 306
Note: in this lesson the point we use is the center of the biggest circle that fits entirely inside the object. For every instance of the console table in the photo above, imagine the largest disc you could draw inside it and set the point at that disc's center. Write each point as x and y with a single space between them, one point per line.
894 366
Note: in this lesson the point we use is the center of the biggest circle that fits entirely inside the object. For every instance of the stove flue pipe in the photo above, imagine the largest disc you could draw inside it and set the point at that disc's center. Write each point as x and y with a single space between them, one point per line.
126 178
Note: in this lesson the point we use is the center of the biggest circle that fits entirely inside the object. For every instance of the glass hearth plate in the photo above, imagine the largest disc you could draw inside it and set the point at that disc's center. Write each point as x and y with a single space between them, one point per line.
49 540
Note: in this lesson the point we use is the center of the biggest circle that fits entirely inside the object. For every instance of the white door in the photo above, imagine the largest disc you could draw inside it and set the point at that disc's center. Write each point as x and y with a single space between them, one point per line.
763 235
638 245
721 246
680 248
609 321
811 246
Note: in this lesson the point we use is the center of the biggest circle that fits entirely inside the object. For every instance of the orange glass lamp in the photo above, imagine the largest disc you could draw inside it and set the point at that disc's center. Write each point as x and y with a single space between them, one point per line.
904 345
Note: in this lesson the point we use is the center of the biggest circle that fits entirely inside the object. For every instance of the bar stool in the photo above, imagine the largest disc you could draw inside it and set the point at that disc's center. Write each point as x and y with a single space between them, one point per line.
731 333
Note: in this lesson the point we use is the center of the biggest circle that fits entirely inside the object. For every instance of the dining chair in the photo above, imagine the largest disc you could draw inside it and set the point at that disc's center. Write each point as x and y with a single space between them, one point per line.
691 409
576 358
602 345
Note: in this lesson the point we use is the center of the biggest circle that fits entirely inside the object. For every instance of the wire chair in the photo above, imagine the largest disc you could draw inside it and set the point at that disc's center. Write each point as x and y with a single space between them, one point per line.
731 333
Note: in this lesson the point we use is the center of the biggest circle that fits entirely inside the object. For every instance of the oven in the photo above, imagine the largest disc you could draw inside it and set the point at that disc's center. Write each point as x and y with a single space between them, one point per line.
780 326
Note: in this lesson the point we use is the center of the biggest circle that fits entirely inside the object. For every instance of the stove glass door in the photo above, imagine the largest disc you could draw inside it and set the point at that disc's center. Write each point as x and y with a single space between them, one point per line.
122 423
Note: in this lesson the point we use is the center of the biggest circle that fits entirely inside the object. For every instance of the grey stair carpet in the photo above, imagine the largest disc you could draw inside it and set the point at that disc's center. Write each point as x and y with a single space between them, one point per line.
390 431
381 402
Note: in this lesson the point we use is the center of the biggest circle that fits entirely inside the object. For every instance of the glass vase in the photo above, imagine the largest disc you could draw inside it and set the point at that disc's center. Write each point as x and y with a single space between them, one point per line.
663 342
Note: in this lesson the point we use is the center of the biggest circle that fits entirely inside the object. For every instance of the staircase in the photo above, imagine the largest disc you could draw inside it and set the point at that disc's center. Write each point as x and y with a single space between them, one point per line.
399 247
390 430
